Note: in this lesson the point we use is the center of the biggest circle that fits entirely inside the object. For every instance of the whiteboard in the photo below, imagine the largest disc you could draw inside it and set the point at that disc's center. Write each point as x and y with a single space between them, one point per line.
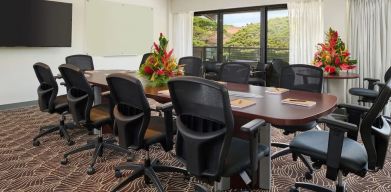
115 29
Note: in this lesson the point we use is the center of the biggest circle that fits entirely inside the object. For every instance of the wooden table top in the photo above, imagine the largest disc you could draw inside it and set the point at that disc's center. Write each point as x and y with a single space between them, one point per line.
269 107
342 75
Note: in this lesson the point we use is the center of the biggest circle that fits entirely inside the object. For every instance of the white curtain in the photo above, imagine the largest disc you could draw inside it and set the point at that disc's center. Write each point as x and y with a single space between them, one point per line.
369 39
182 35
305 29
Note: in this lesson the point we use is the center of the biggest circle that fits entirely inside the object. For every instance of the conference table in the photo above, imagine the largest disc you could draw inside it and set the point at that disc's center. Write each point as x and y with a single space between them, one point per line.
268 106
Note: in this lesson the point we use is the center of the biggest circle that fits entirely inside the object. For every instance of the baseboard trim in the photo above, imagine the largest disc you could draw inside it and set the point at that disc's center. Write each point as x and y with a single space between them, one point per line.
17 105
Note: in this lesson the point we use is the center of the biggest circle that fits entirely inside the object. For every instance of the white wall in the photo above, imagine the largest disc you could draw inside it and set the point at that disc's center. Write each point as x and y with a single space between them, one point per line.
17 79
204 5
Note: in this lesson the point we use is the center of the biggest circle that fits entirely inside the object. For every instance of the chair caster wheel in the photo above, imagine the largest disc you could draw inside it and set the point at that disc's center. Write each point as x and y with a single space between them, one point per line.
293 189
316 165
147 181
64 161
36 143
118 173
308 175
70 143
186 176
61 134
90 170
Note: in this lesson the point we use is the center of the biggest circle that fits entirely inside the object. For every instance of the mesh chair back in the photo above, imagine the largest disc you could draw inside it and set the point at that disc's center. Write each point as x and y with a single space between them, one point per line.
274 72
131 111
387 76
302 77
48 88
193 66
205 124
84 62
235 72
375 130
80 94
144 59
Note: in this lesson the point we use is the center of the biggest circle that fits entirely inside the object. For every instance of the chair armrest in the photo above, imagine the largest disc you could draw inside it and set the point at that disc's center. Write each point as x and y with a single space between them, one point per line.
335 143
371 79
58 76
371 82
167 109
252 129
257 72
253 126
380 85
106 93
357 108
338 124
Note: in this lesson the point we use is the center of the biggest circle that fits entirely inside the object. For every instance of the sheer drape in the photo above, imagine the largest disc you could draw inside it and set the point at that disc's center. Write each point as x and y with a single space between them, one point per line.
305 29
183 34
369 39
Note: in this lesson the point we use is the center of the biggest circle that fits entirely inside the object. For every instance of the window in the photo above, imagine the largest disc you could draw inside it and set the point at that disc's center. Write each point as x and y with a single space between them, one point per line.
240 34
277 35
205 37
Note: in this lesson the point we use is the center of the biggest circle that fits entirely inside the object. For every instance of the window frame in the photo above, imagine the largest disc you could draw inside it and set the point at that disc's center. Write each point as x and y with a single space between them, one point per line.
263 33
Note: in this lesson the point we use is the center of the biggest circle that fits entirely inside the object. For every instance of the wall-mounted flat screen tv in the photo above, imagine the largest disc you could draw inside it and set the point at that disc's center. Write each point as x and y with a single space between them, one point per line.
35 23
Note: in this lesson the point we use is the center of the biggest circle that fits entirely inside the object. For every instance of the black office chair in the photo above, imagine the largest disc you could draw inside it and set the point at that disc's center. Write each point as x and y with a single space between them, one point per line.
369 94
211 70
273 72
343 155
144 59
205 126
83 62
235 72
48 101
304 78
138 130
193 66
258 75
80 98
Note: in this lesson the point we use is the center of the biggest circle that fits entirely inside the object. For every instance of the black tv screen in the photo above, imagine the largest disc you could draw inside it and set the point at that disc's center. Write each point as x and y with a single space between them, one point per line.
35 23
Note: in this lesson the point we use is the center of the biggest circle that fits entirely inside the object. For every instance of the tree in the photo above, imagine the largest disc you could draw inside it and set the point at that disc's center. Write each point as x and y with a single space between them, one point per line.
203 30
278 33
247 36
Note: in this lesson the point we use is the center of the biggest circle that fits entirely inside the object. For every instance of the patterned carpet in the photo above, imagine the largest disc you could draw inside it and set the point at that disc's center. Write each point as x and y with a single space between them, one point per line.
27 168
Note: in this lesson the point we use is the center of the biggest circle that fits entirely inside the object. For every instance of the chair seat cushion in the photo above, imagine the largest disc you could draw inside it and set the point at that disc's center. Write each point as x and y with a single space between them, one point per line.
61 104
239 156
156 131
100 115
372 94
315 143
292 129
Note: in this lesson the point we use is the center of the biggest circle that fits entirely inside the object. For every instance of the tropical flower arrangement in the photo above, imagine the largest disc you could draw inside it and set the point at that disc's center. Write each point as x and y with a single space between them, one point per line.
160 65
333 56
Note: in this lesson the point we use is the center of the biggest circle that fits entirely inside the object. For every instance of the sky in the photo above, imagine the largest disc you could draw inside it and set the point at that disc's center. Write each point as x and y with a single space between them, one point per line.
241 19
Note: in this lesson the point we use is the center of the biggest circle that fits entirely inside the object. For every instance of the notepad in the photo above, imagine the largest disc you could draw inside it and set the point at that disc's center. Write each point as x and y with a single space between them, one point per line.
164 92
275 90
243 94
298 102
241 103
